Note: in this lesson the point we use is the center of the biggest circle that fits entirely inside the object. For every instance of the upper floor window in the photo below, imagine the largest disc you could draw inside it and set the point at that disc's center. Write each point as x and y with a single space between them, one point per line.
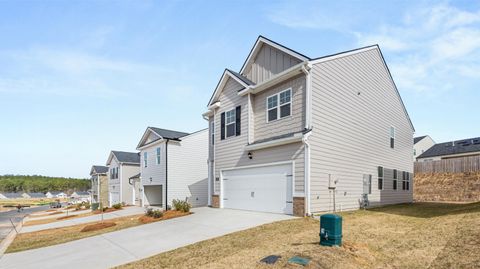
380 178
230 123
158 155
279 105
145 155
392 137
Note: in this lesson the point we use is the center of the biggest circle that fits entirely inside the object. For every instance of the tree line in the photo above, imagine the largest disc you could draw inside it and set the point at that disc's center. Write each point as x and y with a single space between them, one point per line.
35 183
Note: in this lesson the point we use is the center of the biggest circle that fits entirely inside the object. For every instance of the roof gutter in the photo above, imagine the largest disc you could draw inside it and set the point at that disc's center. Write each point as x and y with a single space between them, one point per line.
282 76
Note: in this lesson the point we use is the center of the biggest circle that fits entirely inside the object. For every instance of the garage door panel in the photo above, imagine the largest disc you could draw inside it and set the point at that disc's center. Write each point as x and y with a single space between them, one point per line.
266 189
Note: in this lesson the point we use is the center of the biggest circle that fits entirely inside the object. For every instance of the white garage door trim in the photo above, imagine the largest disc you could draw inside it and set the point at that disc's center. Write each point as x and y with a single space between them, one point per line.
292 185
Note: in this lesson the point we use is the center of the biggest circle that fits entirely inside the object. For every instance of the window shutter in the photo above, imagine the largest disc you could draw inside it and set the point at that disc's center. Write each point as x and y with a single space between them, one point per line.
222 126
238 115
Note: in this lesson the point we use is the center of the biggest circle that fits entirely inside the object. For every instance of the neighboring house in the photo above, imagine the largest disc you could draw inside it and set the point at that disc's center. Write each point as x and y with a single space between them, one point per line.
121 166
56 194
453 149
421 144
99 178
295 135
81 196
33 195
174 166
11 195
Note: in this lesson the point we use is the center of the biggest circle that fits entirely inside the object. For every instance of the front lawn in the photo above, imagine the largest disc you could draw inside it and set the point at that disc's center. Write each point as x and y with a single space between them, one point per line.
422 235
50 237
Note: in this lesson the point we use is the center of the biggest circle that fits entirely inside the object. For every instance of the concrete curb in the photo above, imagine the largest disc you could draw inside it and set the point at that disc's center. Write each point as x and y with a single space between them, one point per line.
5 243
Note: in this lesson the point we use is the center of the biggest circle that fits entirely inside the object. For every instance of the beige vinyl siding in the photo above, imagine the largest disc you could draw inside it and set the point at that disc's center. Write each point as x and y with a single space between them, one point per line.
230 153
127 171
188 169
354 104
293 123
268 62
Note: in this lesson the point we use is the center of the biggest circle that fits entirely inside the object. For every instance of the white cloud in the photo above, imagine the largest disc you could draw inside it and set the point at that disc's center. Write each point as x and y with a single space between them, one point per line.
432 50
73 73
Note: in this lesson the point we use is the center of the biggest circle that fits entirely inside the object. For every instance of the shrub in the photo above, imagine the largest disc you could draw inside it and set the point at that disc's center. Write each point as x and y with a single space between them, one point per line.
149 212
117 206
105 208
87 206
153 213
180 205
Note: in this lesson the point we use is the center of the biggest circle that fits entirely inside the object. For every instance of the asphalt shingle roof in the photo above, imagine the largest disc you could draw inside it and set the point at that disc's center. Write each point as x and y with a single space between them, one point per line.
127 157
100 169
418 139
453 147
12 195
36 194
242 78
168 134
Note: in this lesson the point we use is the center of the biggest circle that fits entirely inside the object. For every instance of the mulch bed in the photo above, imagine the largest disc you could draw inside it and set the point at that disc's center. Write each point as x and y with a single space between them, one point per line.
166 215
97 226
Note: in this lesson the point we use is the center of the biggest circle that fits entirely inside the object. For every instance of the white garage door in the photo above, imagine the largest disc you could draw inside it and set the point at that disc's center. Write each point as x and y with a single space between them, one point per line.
114 198
266 189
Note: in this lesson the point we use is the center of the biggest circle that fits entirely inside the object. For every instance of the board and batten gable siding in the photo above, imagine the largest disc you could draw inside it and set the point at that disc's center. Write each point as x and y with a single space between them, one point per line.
354 104
188 169
268 62
230 153
293 123
153 171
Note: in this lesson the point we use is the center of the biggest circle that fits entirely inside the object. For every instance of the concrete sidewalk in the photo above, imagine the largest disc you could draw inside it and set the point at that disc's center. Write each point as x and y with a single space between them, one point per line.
120 247
126 211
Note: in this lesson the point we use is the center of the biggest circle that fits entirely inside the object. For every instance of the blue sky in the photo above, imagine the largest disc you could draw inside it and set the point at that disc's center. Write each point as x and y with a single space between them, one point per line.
79 78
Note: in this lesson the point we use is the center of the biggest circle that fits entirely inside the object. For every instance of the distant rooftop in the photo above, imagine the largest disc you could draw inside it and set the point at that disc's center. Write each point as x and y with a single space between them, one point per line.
469 145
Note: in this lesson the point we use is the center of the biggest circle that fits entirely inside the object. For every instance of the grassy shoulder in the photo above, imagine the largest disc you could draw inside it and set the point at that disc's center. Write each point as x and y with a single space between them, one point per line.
50 237
419 235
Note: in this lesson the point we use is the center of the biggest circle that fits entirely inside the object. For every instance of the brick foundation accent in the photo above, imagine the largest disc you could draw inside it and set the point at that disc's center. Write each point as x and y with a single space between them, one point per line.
299 206
215 201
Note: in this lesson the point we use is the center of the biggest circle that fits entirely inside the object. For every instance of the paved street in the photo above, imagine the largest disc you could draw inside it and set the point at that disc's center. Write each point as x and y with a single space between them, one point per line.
6 226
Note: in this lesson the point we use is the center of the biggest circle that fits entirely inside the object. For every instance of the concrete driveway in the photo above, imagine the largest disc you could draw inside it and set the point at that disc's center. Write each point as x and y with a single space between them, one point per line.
126 211
116 248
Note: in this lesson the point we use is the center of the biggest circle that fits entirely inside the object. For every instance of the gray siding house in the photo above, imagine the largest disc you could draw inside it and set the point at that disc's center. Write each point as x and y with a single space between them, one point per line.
173 166
421 144
295 135
121 166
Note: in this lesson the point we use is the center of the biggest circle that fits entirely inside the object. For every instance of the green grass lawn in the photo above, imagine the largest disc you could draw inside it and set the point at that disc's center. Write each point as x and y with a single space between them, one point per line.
422 235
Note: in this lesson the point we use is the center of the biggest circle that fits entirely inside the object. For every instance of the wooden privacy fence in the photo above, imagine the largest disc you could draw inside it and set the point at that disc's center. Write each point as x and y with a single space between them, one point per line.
457 165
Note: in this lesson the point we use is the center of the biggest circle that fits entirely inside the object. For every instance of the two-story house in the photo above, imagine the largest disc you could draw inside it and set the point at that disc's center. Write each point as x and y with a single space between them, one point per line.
295 135
173 166
122 166
99 179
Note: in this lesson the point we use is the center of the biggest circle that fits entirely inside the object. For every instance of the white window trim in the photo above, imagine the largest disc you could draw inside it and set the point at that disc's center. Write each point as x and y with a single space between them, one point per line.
234 123
158 154
383 179
390 136
278 105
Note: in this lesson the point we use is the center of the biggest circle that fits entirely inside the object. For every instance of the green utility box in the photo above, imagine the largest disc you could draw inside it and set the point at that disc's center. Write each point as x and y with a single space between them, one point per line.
95 206
330 230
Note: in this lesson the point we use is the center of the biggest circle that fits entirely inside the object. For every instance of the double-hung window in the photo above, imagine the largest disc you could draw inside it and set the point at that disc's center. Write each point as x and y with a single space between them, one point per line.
158 155
406 181
392 137
145 155
230 122
380 178
395 177
279 105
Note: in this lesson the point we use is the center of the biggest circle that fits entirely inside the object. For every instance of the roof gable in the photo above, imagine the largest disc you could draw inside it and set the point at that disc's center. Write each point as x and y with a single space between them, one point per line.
98 169
418 139
227 73
124 157
261 40
153 134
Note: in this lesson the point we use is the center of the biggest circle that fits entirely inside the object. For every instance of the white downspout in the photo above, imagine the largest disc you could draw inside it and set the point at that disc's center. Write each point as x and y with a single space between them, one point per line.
308 92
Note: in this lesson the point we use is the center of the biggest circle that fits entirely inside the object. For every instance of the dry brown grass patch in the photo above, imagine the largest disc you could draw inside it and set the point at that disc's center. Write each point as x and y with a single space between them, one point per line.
55 213
97 226
66 217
